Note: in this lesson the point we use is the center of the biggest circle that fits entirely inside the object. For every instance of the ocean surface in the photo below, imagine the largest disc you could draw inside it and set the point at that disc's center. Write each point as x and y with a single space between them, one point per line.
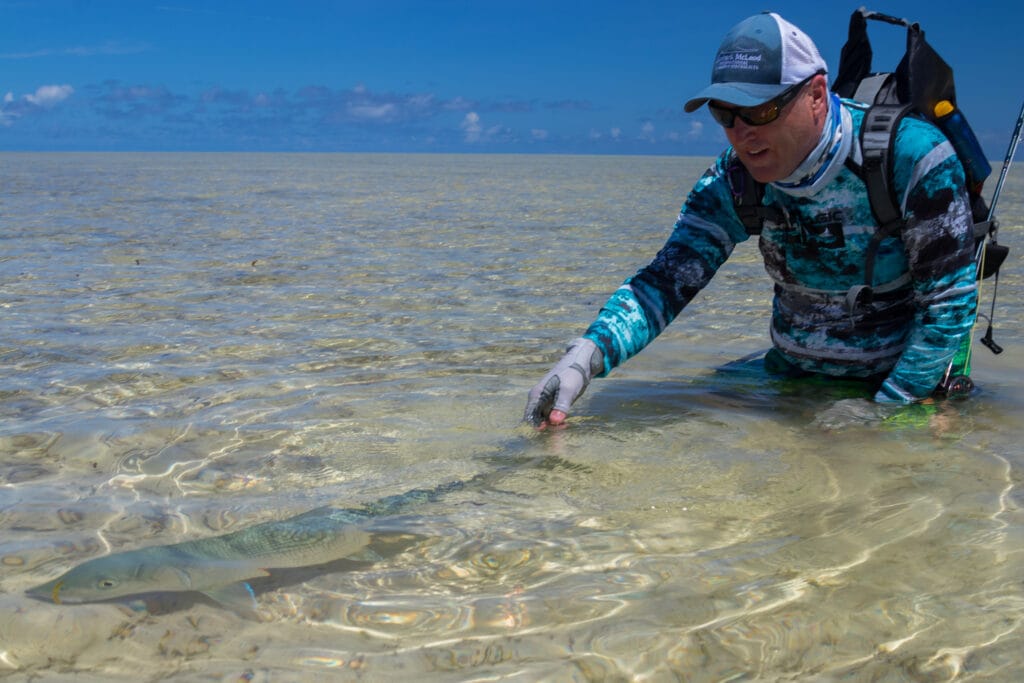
190 344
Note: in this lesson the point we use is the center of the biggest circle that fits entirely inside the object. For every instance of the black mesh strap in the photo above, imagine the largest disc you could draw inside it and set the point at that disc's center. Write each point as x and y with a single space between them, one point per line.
747 195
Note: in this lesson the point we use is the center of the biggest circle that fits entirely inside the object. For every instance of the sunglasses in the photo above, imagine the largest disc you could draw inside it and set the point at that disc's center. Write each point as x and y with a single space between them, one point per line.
761 114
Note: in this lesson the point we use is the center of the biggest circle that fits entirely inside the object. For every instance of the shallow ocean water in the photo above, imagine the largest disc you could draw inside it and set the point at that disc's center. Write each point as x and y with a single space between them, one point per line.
194 343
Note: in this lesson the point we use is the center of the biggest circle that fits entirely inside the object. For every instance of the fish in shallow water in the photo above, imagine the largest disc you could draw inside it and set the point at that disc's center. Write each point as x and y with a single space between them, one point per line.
222 566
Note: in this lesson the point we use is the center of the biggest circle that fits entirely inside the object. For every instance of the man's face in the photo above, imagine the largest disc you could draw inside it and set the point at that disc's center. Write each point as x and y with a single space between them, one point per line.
773 151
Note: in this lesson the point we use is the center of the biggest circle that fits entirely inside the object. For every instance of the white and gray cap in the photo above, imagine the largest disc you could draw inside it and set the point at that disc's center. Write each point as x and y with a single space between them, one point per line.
759 58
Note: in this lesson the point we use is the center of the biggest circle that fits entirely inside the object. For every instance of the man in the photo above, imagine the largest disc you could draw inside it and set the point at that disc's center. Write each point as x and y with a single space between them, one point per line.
769 90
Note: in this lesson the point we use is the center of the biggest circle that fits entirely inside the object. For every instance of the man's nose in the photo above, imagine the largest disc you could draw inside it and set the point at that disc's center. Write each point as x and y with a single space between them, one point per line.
741 127
740 130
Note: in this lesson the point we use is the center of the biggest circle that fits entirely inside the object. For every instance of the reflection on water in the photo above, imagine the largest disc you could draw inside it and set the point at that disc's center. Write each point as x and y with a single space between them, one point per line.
196 343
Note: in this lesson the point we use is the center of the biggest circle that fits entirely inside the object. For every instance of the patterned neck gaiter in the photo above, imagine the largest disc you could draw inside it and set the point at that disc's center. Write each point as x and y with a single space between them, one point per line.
826 160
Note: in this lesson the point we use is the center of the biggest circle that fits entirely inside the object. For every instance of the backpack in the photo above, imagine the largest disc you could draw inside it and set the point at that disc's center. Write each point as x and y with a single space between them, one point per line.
921 81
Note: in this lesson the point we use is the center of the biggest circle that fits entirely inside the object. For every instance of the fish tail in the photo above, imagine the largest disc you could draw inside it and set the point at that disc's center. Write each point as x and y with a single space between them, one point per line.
392 504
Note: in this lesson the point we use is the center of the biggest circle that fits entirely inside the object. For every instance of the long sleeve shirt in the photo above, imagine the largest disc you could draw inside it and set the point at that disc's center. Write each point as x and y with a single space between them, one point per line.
924 274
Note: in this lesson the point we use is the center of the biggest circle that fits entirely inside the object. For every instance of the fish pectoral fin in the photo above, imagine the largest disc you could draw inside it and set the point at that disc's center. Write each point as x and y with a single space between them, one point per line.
238 597
366 555
183 576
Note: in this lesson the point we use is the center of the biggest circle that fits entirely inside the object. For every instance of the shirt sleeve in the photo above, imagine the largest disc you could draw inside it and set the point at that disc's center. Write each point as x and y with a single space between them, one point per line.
704 236
939 242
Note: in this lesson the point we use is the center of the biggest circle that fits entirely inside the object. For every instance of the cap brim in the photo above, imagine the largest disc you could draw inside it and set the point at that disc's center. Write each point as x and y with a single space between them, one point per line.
738 94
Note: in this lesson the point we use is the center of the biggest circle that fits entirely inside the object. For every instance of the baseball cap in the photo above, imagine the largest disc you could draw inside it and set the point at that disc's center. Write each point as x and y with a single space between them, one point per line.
759 58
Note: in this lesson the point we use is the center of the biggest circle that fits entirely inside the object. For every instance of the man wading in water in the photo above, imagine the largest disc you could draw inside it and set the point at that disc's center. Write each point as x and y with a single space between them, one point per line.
769 91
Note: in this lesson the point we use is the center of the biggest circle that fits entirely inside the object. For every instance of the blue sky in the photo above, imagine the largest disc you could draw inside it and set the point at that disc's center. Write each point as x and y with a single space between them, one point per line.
431 75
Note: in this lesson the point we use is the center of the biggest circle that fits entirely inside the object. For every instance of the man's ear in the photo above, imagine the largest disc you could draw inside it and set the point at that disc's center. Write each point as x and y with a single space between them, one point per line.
819 95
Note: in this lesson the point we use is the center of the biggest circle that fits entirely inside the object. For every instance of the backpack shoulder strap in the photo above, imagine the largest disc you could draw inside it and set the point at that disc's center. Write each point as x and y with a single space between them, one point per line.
747 195
877 138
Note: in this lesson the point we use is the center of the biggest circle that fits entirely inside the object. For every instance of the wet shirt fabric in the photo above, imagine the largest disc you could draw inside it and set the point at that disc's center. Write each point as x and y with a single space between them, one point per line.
924 275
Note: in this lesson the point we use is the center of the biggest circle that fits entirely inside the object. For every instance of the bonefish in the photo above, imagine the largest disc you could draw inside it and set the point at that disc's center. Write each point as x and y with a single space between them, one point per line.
222 566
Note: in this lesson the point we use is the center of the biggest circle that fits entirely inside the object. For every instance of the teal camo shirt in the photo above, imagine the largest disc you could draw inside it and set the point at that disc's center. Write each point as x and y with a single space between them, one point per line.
924 275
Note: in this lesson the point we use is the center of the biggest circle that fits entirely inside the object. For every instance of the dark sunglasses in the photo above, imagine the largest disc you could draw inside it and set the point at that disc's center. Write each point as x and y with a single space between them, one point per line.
760 114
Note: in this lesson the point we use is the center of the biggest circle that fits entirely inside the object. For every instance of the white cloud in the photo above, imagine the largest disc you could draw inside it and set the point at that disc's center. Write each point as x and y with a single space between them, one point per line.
458 104
372 112
647 131
471 126
613 134
45 97
421 101
696 131
49 95
539 134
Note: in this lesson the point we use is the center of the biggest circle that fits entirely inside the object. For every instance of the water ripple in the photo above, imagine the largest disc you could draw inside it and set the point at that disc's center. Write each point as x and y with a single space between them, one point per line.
197 343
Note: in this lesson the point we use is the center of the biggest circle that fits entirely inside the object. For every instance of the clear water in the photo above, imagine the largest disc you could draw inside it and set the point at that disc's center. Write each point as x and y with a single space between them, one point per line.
194 343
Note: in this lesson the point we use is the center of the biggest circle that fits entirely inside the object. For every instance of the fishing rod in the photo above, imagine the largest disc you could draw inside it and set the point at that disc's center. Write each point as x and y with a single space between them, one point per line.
988 257
998 251
1014 140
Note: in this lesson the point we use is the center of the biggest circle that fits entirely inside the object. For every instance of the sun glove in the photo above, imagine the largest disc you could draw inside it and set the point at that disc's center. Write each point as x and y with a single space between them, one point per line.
565 382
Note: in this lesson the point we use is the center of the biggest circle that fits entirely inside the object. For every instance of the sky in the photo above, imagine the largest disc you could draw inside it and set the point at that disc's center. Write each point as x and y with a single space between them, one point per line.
497 76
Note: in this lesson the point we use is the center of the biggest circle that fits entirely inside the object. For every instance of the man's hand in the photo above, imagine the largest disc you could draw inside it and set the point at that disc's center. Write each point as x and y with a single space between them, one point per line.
550 399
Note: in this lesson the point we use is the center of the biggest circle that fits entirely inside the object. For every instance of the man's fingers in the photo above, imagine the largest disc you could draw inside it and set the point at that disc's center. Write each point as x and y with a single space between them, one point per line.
556 417
541 401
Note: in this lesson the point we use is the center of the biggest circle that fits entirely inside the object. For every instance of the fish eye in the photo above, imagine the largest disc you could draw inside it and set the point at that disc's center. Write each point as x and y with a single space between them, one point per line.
106 583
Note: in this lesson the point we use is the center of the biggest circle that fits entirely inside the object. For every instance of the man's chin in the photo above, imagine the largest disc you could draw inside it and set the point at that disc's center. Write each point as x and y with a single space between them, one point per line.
763 168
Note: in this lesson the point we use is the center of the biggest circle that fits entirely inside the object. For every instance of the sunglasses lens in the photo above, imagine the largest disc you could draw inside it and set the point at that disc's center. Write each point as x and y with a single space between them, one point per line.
752 116
724 117
762 115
